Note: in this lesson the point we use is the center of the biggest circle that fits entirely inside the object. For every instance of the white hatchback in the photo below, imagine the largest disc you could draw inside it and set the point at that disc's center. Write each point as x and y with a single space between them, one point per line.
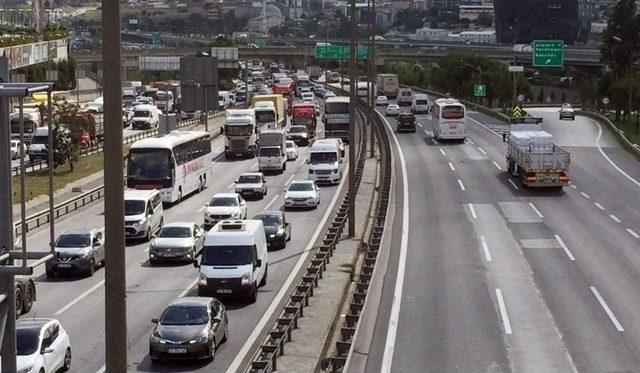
42 346
292 150
392 110
382 101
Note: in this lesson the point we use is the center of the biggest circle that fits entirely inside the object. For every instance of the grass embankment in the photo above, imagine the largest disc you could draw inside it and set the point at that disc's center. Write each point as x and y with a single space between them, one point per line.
37 183
631 128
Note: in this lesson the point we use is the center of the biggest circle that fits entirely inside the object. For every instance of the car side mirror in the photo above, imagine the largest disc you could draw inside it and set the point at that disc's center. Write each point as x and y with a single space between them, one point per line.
216 319
222 130
195 264
153 236
155 320
259 263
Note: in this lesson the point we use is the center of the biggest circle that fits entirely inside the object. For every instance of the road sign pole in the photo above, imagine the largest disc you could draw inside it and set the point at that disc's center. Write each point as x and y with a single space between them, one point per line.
372 63
115 268
352 125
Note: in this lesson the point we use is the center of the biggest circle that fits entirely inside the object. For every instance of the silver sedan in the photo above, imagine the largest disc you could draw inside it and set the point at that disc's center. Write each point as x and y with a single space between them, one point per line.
176 241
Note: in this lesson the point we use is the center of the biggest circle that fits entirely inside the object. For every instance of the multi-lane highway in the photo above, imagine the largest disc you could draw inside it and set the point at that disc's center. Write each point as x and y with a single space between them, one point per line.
79 302
493 276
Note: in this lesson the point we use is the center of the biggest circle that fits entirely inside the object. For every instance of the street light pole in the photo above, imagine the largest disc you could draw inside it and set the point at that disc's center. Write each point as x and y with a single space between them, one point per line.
115 267
372 61
352 125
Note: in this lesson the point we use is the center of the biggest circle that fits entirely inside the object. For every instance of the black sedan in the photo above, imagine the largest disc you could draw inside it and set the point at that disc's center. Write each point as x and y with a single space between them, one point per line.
189 328
276 227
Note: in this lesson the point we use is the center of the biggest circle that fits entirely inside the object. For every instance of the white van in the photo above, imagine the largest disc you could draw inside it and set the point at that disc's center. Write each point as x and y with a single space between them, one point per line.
325 165
405 97
145 117
224 100
37 149
233 260
142 213
420 104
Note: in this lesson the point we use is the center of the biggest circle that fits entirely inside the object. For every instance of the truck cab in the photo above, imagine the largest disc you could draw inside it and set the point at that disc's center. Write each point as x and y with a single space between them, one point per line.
241 133
272 154
325 165
305 115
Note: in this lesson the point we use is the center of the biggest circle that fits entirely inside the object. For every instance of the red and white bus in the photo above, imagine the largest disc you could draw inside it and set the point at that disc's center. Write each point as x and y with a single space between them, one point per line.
177 164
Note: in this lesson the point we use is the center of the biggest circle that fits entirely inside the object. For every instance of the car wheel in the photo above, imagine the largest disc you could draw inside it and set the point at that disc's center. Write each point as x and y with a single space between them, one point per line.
92 267
50 273
254 294
179 199
212 350
148 236
19 301
264 278
29 296
201 186
225 337
67 360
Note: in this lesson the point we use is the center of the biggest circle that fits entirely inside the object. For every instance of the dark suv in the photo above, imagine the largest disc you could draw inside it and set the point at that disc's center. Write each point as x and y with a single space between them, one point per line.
406 122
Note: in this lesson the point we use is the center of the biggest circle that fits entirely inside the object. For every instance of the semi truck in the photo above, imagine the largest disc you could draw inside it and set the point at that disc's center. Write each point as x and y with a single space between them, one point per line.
274 115
534 159
25 294
241 133
387 85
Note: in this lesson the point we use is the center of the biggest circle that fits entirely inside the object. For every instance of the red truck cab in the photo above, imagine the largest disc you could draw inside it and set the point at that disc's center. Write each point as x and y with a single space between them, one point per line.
305 114
286 90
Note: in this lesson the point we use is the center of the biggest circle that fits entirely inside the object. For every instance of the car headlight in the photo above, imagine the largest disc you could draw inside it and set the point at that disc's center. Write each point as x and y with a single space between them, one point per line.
246 279
335 171
202 280
311 199
141 222
156 339
201 339
27 369
280 232
238 190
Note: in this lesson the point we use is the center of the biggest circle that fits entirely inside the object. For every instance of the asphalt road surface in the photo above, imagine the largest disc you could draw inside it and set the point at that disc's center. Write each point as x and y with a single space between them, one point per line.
498 277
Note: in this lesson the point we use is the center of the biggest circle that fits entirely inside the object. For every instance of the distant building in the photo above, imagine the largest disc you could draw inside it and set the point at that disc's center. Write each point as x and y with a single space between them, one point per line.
478 37
472 12
598 27
272 17
432 34
522 21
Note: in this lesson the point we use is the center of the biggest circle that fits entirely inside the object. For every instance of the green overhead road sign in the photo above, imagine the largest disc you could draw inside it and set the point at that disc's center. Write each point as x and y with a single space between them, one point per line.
479 90
548 53
341 52
155 38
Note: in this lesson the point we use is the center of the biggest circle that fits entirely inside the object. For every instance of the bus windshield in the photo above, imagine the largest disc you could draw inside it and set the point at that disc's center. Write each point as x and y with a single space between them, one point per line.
337 108
149 164
452 112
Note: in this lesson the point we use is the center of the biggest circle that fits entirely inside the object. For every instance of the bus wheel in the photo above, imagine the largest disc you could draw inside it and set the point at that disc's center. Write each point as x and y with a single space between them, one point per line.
179 196
201 186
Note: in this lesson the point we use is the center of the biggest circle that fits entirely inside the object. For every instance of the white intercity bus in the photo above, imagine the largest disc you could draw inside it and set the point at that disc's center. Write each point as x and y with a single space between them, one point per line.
177 164
449 119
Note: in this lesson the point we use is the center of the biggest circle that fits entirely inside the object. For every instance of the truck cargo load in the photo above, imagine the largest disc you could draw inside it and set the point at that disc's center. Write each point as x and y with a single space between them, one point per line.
535 159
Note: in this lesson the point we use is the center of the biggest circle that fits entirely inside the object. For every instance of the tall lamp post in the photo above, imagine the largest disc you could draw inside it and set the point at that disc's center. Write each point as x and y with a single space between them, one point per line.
478 69
352 124
619 40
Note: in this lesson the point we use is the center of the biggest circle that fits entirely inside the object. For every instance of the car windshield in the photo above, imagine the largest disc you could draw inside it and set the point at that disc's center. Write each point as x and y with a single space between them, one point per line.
226 255
74 240
224 202
270 220
141 114
40 139
290 145
269 152
421 102
27 340
134 207
300 187
249 179
298 129
175 232
185 315
323 157
393 107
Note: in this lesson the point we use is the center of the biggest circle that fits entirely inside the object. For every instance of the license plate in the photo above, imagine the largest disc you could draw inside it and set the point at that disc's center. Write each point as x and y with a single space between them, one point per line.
223 291
453 127
177 350
64 265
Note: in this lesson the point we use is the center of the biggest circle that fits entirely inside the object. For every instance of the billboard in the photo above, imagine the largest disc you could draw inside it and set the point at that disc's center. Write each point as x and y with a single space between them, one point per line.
156 63
199 80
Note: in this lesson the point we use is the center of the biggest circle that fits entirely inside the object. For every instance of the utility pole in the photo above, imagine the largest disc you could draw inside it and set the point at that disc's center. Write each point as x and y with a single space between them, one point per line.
374 67
115 268
369 77
353 81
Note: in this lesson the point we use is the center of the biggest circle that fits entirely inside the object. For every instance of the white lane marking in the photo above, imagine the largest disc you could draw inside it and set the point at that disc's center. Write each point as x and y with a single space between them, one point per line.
426 132
434 141
394 317
451 166
598 206
564 247
513 184
485 127
497 165
631 232
503 312
189 287
254 165
485 248
102 370
574 186
536 210
471 142
266 316
614 218
79 298
609 159
289 180
230 185
202 208
606 308
275 198
585 195
419 124
442 151
482 151
461 185
473 211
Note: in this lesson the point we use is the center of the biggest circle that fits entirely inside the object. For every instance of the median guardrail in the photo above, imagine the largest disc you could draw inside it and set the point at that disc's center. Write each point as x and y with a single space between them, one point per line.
41 218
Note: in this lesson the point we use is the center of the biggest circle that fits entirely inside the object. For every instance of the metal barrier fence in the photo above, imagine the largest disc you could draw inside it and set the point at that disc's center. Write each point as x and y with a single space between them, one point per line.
64 208
265 359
